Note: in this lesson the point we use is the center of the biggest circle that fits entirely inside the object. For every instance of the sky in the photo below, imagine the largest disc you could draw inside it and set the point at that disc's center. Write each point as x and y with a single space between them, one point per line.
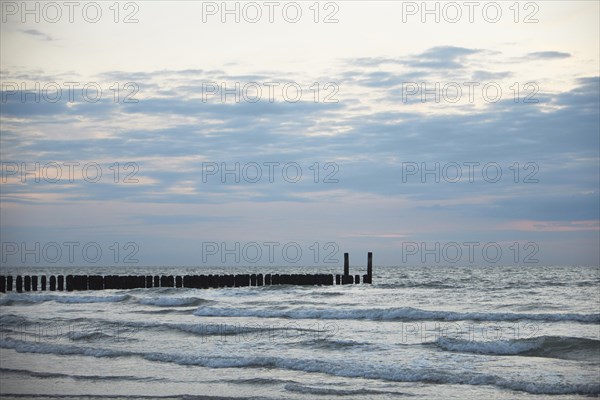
287 133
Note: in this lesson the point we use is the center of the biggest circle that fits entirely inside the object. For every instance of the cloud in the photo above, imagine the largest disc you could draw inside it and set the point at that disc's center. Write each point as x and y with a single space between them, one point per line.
38 34
440 57
548 55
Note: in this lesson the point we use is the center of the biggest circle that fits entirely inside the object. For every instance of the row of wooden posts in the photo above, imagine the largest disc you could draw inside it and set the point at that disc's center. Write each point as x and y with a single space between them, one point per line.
69 283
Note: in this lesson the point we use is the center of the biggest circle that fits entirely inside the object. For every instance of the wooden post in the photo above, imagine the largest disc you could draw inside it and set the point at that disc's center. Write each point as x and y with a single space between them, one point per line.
27 283
370 266
34 281
9 283
61 283
346 264
2 284
43 282
52 283
95 282
19 283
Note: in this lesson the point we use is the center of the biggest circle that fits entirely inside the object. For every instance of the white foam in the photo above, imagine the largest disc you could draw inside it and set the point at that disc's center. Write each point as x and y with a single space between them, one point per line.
392 314
15 298
171 301
363 370
498 347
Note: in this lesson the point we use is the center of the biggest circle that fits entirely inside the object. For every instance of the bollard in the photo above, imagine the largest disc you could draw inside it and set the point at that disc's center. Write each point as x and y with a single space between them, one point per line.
346 264
79 282
95 282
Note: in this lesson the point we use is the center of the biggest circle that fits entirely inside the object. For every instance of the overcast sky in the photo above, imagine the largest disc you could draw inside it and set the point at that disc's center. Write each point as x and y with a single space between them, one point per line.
480 128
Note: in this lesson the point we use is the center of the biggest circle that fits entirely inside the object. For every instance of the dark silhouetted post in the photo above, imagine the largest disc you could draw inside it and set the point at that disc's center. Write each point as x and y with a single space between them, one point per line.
9 283
19 283
61 283
346 264
2 284
368 278
34 281
27 283
52 283
43 282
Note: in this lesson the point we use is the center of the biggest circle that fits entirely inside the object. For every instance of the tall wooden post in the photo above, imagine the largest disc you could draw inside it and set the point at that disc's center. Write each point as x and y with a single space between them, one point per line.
346 264
370 265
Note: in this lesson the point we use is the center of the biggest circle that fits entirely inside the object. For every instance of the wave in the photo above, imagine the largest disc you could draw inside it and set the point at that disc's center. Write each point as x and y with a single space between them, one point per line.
12 299
53 375
173 301
87 336
321 391
569 348
329 344
242 332
394 373
394 314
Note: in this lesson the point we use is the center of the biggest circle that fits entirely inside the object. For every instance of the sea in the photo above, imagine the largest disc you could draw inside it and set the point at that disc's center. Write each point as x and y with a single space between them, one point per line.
424 332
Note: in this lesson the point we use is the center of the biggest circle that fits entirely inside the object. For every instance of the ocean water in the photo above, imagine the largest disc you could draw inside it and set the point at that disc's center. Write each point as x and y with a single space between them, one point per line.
418 332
